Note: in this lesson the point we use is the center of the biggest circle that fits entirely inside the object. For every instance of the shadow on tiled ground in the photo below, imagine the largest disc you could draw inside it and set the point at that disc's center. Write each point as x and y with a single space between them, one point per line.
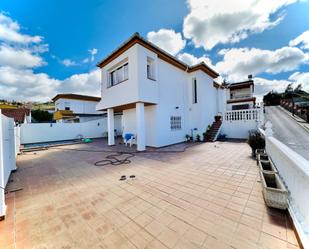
206 197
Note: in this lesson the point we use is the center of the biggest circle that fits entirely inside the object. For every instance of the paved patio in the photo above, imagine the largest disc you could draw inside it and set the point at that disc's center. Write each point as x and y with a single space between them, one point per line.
206 197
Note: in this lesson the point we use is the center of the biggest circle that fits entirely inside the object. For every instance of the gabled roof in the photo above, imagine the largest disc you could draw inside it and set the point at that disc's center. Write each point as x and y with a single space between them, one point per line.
18 114
137 39
239 85
76 96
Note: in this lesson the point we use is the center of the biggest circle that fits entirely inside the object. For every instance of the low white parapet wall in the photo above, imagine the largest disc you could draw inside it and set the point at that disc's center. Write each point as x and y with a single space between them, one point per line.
238 123
50 132
294 171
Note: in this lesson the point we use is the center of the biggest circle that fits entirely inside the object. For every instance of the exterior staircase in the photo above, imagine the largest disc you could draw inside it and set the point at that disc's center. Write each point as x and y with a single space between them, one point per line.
214 131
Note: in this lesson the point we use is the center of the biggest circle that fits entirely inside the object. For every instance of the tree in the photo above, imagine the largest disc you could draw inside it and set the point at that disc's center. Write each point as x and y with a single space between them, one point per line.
272 98
298 88
41 116
289 88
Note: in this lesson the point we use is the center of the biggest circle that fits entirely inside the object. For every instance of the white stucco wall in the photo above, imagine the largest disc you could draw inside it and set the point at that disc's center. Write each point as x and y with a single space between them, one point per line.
175 99
238 129
44 132
77 106
151 124
126 91
202 113
8 145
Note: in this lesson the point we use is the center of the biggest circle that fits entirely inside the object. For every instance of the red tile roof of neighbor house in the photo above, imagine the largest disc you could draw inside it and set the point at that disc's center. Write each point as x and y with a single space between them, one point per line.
18 114
75 96
137 39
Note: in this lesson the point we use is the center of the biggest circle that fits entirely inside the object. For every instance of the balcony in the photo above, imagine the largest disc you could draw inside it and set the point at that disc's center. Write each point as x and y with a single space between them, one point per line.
63 114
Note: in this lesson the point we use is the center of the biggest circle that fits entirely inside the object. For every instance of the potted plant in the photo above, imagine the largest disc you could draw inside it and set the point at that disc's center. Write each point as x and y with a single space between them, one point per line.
256 141
218 118
188 138
206 133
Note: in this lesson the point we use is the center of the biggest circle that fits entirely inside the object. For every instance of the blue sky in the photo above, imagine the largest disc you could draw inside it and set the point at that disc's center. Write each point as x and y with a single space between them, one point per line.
247 38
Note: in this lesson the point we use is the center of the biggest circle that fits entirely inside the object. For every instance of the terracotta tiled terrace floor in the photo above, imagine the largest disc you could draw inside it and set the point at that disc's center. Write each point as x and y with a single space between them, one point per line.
207 197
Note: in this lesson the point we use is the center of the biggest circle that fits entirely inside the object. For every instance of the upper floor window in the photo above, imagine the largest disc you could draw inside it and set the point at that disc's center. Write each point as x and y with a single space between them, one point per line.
194 91
150 68
67 106
118 75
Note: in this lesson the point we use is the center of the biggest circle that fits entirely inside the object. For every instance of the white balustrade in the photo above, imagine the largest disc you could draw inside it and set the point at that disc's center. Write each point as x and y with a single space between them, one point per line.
238 123
243 115
294 171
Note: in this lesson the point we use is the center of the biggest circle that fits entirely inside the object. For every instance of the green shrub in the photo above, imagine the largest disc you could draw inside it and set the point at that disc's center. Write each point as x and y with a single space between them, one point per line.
256 141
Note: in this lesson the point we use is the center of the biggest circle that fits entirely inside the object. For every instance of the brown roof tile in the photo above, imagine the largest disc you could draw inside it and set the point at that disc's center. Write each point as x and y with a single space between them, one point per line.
18 114
75 96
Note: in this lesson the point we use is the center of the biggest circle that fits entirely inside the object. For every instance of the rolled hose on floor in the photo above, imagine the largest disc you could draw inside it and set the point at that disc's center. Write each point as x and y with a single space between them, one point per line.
113 160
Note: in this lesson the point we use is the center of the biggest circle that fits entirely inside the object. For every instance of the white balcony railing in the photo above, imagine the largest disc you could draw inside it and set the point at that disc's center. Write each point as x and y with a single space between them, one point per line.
238 123
243 115
243 96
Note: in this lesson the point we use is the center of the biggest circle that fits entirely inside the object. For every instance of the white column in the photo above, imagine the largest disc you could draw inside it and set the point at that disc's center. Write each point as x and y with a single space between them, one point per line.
140 126
110 126
2 197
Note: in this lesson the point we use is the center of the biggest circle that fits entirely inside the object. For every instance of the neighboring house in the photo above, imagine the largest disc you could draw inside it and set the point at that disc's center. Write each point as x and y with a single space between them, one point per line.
20 115
240 95
76 108
162 98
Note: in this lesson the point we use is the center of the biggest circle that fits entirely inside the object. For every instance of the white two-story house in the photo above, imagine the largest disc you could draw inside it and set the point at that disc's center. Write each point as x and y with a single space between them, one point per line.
76 108
240 95
162 99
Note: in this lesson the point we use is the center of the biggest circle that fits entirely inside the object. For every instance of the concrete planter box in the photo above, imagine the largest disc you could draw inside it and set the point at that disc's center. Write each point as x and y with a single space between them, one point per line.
267 166
262 157
275 193
259 152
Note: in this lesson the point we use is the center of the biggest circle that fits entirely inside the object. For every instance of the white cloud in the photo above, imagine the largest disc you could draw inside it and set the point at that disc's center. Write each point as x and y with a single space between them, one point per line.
20 54
16 57
93 52
302 40
168 40
240 62
85 83
212 22
263 86
192 60
10 32
86 60
68 63
24 84
300 78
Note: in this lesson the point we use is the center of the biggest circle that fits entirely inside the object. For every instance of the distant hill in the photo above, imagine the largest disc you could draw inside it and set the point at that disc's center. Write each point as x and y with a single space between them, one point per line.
47 106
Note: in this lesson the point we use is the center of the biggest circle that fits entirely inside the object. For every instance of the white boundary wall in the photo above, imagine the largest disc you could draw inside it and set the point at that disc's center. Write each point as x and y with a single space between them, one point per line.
7 155
238 123
294 171
49 132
